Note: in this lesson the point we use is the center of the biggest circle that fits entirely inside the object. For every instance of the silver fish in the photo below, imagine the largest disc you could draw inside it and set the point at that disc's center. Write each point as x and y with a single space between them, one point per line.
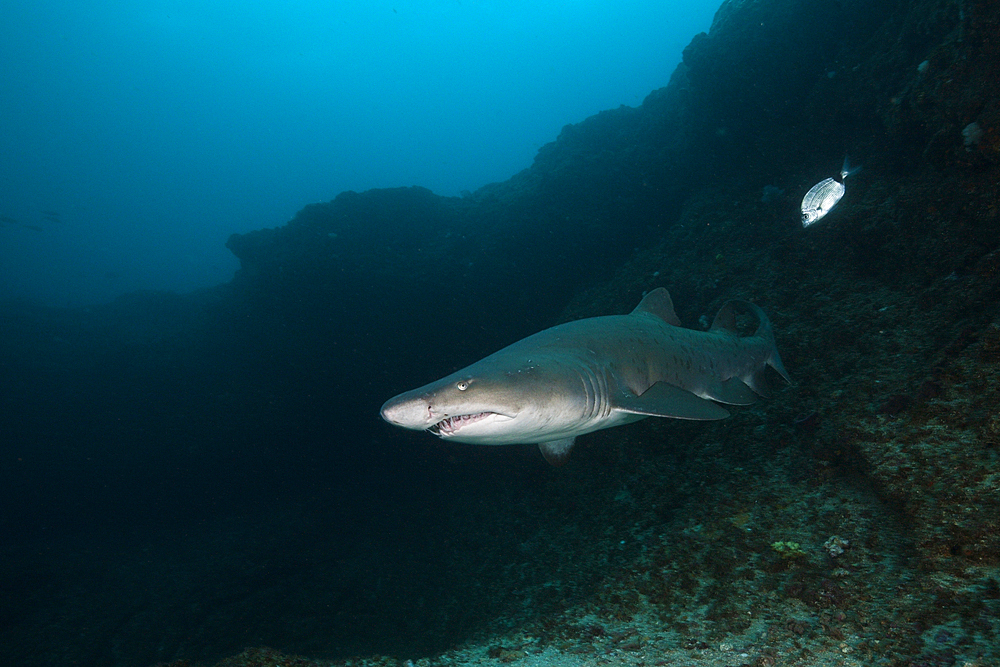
823 196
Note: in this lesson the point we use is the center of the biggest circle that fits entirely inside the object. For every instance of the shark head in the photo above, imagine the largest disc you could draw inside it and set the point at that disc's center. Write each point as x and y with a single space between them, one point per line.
503 399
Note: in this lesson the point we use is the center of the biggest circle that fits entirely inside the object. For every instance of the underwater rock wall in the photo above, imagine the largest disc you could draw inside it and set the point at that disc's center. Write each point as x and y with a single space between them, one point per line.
886 313
774 90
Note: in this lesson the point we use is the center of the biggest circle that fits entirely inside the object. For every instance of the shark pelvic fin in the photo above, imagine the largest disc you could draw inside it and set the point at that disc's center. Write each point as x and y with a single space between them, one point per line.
731 392
556 452
667 400
658 303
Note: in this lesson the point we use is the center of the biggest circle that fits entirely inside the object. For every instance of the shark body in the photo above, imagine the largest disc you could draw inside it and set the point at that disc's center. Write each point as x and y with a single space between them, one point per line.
596 373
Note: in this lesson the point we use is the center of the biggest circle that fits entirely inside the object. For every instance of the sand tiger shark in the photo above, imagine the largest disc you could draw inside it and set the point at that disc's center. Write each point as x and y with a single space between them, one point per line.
595 373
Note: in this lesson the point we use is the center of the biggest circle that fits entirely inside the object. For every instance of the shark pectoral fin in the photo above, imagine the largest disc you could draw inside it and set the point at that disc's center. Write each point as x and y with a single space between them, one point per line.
556 452
667 400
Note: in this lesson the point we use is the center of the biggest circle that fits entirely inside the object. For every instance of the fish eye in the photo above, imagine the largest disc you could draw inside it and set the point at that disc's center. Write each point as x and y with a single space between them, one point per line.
462 385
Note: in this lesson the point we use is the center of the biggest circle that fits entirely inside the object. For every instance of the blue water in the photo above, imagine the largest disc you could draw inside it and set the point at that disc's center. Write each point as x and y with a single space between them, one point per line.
153 130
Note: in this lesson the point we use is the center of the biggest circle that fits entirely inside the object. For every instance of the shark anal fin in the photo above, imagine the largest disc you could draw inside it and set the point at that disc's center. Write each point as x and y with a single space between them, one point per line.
556 452
758 382
667 400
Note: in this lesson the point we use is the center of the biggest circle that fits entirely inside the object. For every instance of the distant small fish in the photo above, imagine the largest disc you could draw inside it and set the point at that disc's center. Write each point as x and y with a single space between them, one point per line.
50 213
7 220
823 196
34 228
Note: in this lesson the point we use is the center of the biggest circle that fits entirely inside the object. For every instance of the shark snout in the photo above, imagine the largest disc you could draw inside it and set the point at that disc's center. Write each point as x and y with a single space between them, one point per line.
408 411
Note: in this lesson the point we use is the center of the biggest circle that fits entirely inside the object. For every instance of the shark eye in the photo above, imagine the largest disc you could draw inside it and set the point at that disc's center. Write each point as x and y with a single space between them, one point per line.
462 385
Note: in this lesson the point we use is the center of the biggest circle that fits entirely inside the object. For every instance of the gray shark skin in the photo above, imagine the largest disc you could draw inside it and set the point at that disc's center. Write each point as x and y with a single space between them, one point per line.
596 373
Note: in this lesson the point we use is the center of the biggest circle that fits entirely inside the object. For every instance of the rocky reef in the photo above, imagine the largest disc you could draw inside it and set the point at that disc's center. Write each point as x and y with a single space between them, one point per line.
850 519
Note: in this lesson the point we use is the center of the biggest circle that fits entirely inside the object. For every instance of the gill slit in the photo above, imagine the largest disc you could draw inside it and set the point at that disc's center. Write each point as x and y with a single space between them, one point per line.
595 388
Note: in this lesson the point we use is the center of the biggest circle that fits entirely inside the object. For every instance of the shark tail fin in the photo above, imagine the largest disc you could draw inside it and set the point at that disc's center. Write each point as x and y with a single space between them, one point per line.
726 319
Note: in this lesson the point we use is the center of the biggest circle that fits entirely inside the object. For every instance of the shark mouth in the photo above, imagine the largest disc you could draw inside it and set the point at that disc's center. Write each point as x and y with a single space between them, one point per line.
452 424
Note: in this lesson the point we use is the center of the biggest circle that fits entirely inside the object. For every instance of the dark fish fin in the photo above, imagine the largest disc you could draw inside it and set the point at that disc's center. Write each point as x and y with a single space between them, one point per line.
658 303
667 400
556 452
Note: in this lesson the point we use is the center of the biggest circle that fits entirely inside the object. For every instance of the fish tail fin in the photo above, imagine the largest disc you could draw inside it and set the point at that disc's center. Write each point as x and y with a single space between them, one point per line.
847 169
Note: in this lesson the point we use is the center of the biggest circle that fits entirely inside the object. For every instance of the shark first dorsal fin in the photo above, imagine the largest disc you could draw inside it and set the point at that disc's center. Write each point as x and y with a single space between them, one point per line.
658 303
556 452
667 400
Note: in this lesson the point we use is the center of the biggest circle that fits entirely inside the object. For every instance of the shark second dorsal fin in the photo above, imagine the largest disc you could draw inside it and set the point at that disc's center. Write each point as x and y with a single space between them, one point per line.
658 303
726 319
